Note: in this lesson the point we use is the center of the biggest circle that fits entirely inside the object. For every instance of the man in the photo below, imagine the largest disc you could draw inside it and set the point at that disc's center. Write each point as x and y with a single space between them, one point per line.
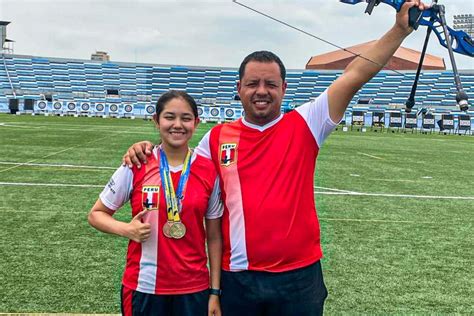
271 240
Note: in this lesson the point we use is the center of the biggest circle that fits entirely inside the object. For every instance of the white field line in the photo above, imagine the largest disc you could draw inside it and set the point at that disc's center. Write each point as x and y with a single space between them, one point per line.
332 189
55 153
340 192
19 126
373 220
436 197
396 180
55 165
371 156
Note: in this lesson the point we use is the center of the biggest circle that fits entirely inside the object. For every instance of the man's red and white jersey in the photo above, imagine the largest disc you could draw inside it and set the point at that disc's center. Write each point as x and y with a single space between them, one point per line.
163 265
267 183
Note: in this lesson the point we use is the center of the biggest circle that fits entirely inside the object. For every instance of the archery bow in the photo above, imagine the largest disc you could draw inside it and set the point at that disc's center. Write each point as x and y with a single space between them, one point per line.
452 40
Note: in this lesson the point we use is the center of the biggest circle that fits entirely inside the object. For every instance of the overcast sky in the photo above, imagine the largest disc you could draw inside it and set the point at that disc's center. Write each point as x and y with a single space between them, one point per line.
204 33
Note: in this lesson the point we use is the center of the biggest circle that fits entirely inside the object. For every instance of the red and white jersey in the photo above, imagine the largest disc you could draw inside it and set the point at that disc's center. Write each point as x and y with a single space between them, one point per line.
163 265
267 183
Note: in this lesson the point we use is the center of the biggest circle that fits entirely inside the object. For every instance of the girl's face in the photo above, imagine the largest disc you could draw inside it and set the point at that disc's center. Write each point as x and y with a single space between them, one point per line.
176 123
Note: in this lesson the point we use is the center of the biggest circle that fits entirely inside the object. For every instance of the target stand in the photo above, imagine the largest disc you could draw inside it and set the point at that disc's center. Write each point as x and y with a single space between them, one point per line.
358 121
446 124
395 121
464 124
378 121
427 123
411 122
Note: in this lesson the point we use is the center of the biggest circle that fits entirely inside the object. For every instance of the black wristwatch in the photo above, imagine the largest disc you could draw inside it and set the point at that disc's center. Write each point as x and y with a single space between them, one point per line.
217 292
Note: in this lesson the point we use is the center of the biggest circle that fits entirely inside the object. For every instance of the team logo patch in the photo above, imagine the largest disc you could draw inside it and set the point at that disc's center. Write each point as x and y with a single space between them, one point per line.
228 154
150 197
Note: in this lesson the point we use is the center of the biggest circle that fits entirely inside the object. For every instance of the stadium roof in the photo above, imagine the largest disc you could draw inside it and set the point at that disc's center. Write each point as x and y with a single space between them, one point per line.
403 59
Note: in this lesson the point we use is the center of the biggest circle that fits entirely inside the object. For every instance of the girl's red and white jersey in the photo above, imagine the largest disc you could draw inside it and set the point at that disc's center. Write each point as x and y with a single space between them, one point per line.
267 183
163 265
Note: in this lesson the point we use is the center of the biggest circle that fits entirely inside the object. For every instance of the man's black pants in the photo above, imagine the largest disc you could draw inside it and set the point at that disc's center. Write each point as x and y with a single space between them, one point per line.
253 293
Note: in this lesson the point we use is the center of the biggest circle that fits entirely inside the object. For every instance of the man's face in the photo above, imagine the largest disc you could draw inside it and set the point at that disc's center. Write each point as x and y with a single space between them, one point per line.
261 91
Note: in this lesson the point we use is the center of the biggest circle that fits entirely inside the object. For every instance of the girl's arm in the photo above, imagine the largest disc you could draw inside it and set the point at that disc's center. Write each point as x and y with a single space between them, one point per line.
100 217
214 248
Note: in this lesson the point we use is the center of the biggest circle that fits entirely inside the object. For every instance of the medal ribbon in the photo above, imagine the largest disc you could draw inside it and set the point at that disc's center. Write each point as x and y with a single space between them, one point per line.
174 199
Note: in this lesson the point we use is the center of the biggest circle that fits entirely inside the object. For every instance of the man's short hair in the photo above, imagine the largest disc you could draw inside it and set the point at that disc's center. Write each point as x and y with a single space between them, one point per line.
262 56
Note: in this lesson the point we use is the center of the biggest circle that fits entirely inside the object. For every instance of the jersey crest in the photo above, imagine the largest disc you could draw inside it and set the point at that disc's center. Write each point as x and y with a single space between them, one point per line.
151 197
228 154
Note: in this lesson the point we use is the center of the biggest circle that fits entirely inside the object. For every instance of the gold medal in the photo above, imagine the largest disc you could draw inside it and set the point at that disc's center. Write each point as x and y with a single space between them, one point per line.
178 230
166 229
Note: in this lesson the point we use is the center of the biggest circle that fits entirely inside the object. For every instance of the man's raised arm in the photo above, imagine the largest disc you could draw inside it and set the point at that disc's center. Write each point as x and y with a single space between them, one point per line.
361 70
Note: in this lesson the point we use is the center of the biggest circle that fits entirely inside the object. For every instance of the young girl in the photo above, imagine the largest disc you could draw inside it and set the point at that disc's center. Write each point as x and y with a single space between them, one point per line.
166 271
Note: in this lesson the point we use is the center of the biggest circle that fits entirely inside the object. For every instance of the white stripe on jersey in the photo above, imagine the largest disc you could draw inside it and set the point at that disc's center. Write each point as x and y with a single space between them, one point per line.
149 256
238 243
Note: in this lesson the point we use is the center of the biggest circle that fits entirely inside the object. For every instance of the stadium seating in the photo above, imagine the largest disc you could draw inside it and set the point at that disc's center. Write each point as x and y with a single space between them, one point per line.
85 81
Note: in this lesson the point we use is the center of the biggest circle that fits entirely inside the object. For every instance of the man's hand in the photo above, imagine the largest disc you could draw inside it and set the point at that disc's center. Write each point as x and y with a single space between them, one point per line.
137 154
402 15
138 231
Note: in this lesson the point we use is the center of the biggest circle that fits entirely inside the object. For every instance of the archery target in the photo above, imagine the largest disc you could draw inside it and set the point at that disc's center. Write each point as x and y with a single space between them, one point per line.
128 108
200 111
215 112
57 106
150 110
229 113
71 106
99 107
42 105
113 108
85 107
